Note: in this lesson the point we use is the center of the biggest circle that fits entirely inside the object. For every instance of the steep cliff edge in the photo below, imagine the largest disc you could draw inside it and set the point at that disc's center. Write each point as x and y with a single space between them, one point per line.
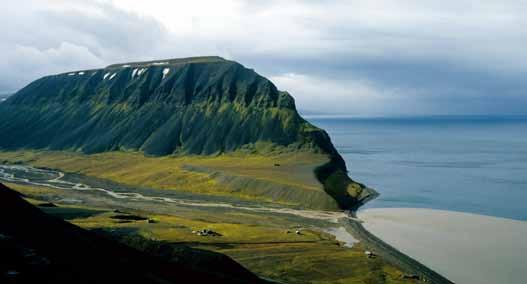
189 106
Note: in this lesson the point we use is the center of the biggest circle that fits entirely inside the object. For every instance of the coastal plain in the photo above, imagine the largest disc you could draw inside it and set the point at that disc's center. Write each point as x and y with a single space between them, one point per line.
266 243
286 179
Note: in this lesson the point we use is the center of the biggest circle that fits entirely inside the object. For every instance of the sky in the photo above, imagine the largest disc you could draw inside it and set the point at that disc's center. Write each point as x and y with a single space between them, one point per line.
366 57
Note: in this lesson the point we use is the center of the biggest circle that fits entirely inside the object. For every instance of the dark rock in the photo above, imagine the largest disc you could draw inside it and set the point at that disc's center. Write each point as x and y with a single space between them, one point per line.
129 217
47 204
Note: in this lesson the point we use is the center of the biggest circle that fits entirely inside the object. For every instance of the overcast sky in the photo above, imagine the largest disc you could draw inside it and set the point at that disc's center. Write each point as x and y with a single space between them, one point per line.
351 57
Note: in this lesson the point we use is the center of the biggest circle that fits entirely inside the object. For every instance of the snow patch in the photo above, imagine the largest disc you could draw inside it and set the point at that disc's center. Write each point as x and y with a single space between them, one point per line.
71 74
81 73
127 65
160 63
165 72
105 75
141 71
113 75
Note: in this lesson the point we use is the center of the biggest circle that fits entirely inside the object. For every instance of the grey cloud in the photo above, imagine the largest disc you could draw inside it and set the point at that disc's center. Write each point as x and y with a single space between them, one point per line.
110 34
374 57
44 41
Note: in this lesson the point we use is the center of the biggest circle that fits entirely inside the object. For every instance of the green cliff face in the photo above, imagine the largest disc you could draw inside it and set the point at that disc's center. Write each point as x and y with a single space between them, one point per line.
193 106
202 105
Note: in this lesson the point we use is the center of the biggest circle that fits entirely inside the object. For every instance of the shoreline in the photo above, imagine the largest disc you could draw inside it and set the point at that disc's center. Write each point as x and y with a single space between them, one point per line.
353 225
348 221
392 255
318 220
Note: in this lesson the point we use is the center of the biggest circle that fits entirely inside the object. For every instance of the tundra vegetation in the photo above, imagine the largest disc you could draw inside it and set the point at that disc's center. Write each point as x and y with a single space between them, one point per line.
258 241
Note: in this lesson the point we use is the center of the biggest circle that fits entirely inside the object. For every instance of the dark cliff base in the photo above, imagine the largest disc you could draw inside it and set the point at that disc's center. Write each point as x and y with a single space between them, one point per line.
349 195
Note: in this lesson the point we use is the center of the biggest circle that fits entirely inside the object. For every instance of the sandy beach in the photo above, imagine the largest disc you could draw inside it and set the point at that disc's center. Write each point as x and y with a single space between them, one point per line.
466 248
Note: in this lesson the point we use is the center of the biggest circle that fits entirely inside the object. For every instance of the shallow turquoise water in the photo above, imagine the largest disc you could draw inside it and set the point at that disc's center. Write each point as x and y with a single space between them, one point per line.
469 164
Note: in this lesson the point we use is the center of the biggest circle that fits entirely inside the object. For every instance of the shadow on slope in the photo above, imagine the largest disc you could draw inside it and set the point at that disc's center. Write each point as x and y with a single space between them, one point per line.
38 248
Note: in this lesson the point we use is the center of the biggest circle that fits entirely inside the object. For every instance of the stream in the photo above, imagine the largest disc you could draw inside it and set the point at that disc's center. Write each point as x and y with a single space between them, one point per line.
23 174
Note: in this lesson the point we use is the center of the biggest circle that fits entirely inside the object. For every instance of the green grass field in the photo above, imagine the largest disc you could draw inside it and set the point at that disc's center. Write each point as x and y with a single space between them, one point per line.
286 179
258 241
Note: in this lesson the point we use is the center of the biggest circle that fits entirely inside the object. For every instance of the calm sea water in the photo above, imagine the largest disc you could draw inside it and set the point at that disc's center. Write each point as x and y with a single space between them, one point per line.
469 164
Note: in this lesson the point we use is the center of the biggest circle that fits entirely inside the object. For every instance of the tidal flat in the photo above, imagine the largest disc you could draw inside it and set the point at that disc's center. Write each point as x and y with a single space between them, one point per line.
466 248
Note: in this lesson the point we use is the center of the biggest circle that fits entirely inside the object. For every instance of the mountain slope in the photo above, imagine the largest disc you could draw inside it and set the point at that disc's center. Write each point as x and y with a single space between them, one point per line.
192 107
38 248
201 105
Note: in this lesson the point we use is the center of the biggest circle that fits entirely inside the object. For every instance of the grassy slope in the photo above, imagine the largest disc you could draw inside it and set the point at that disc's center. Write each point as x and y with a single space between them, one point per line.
252 177
259 242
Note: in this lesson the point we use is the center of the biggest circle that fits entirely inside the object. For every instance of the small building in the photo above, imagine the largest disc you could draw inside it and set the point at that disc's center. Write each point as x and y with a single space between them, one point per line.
370 254
411 276
206 233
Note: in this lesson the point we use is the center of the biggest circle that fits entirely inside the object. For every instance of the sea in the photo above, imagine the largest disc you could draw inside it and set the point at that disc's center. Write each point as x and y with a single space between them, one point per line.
474 164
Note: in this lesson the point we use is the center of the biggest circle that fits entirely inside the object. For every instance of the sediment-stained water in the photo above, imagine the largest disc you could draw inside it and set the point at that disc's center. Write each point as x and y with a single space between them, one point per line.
466 248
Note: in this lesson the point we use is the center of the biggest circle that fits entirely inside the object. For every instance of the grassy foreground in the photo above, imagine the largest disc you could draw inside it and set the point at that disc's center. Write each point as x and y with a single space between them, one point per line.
258 241
287 179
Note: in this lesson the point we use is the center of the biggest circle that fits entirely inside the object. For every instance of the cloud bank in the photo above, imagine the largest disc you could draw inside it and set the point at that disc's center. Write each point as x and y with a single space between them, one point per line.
368 57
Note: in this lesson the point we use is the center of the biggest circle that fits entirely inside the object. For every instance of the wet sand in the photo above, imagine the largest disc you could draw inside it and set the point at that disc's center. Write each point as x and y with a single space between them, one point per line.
466 248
